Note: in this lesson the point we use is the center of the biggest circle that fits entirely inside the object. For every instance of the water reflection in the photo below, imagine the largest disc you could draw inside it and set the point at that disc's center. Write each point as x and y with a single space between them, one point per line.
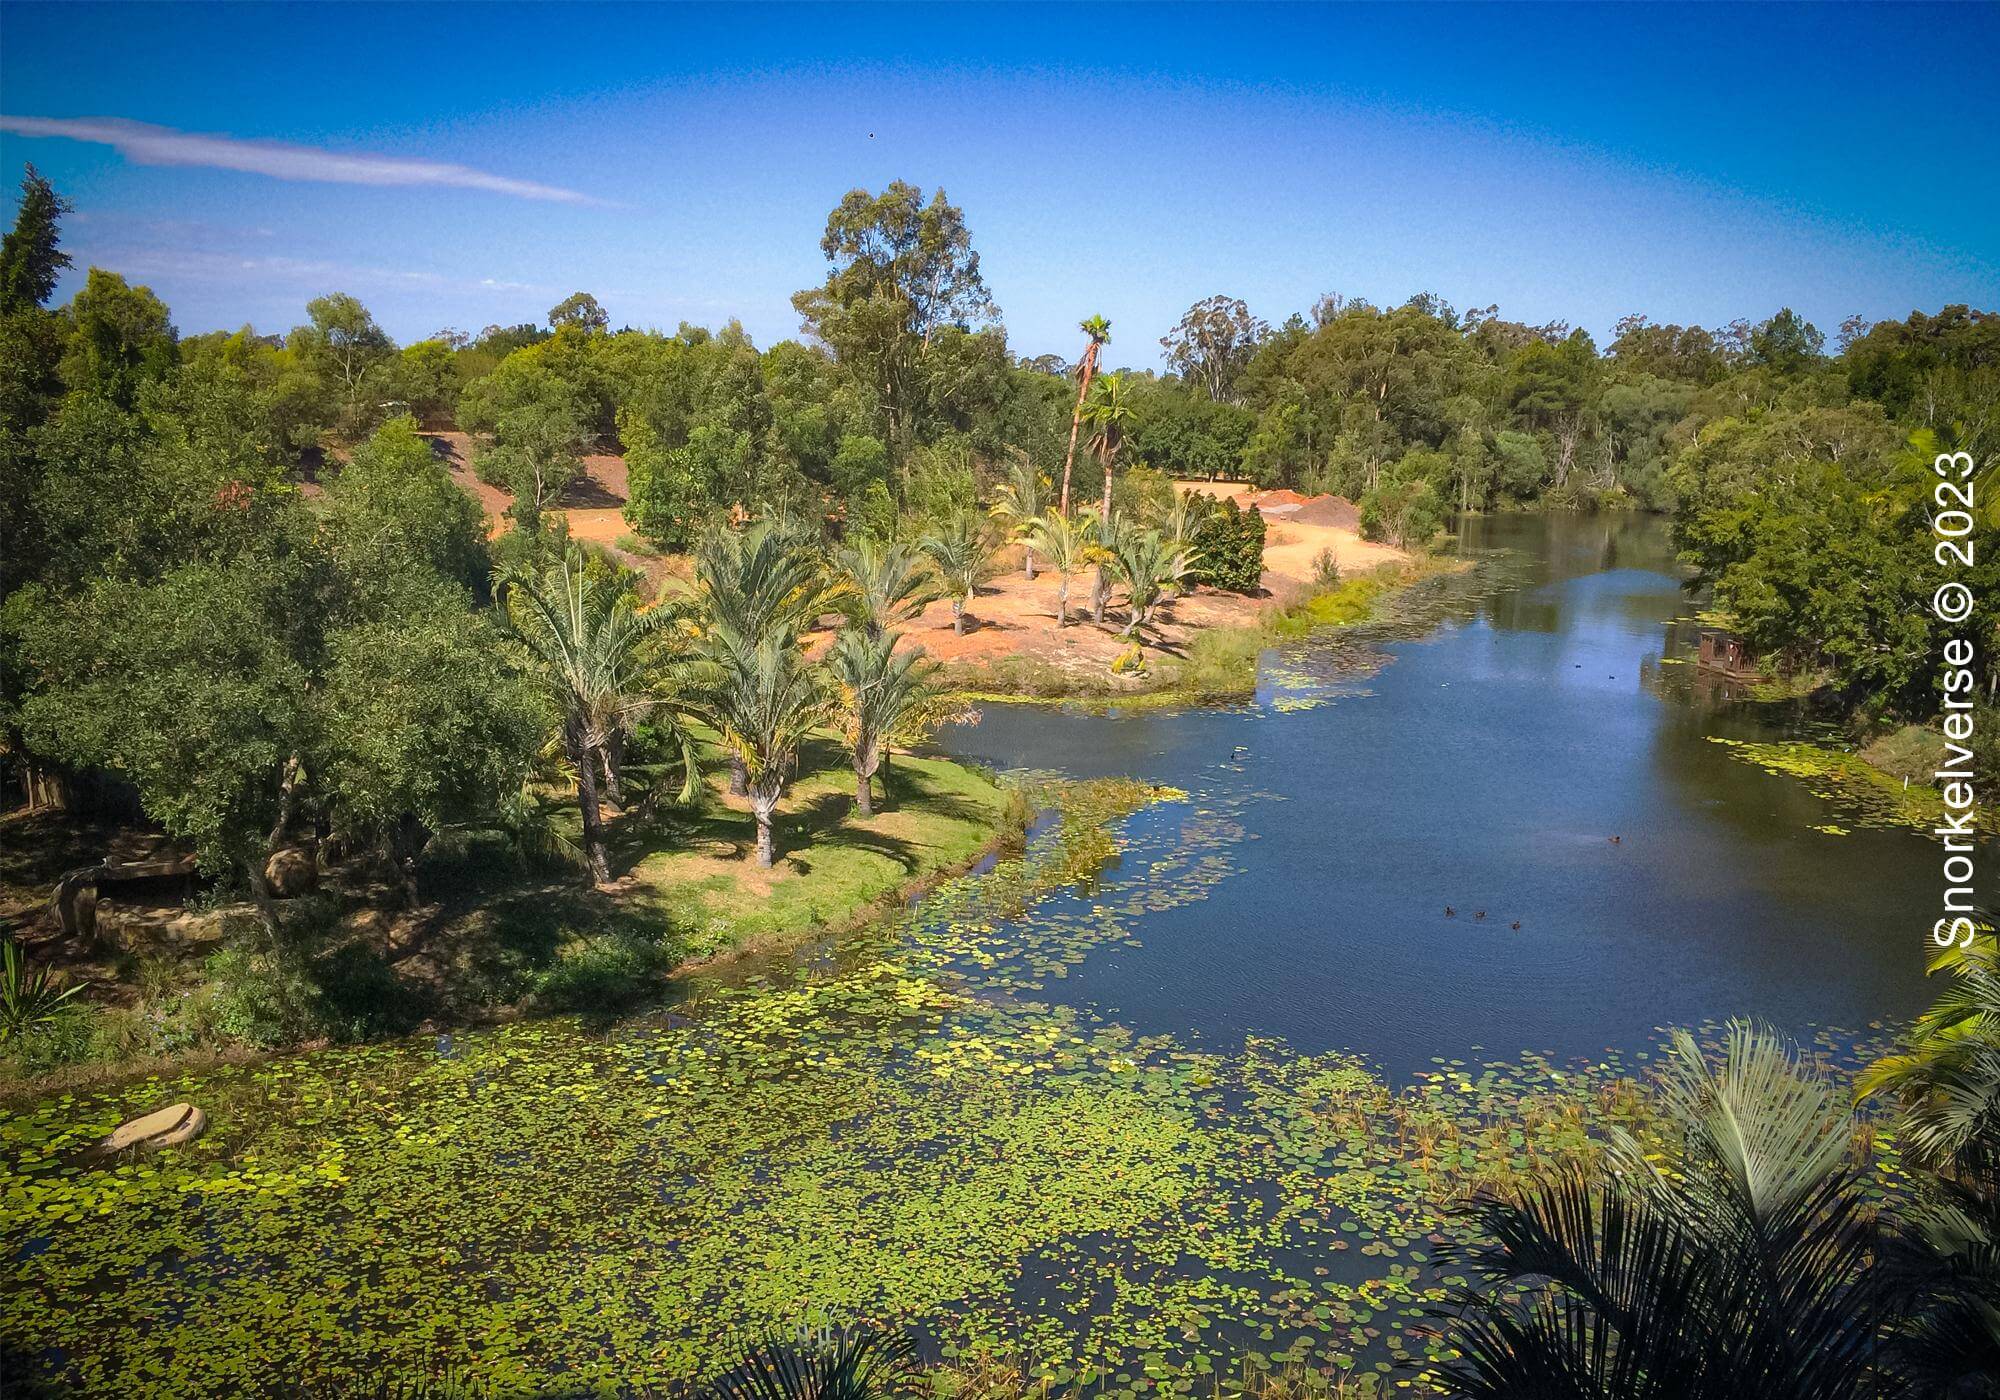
1529 712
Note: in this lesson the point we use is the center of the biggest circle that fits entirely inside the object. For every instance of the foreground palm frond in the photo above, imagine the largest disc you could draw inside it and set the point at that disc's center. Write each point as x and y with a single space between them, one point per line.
1739 1265
851 1365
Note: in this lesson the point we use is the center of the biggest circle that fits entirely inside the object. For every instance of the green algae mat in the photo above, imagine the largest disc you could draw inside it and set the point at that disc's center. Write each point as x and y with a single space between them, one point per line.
902 1129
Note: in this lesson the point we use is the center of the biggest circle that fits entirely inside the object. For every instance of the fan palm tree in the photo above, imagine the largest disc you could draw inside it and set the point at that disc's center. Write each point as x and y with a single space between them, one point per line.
1018 502
887 583
765 700
883 693
1110 532
1069 545
961 555
591 647
1099 332
1147 564
1109 414
750 585
1741 1267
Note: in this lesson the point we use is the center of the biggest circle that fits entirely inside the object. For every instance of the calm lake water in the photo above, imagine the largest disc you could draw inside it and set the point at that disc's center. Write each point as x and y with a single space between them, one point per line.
1483 763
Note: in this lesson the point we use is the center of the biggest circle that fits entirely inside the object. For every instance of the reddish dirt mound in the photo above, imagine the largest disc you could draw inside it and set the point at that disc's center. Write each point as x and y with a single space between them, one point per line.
1280 497
1336 511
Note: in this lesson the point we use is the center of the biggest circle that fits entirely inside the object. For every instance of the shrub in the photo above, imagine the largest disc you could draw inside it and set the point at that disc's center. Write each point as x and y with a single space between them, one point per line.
1229 548
1326 569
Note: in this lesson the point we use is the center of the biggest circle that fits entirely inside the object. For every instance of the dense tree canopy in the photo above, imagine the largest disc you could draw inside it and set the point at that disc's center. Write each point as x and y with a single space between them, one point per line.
252 522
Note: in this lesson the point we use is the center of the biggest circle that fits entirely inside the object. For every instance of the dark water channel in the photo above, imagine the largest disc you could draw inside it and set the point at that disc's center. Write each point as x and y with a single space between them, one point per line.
1479 753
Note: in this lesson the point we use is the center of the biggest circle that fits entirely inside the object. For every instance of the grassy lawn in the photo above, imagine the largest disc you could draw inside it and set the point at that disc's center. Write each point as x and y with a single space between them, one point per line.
832 866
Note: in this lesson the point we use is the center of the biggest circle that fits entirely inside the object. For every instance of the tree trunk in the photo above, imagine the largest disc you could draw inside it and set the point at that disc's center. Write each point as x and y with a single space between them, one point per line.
1100 594
864 795
586 801
957 617
1106 507
1084 372
1062 602
260 881
613 755
1028 562
767 850
739 776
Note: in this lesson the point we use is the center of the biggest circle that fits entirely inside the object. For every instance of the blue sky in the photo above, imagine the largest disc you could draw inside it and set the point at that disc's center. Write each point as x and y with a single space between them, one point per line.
1696 164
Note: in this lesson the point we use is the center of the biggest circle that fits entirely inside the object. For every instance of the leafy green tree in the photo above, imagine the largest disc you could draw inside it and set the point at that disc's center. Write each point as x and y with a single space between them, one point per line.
961 555
1788 343
393 506
885 694
421 726
665 501
426 379
192 686
343 346
540 432
120 339
31 257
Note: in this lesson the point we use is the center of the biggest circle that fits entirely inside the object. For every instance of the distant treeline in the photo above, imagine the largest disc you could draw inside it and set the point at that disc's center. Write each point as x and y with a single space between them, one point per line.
1799 478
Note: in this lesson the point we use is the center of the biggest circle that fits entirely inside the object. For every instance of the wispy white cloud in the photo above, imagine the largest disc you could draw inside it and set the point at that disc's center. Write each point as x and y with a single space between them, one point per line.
145 144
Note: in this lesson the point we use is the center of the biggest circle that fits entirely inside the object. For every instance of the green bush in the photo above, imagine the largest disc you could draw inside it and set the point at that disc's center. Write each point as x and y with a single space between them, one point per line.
265 999
1229 548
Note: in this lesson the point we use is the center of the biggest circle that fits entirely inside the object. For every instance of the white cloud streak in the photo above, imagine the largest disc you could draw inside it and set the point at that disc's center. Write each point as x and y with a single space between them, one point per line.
145 144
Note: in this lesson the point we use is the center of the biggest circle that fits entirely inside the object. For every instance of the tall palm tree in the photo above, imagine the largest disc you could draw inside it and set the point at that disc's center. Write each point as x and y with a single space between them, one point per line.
883 692
1109 414
1740 1267
589 643
1148 565
888 583
961 555
1018 501
1070 546
1099 332
765 701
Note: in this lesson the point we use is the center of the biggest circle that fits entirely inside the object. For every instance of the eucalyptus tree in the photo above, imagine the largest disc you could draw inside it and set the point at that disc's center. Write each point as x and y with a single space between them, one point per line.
590 646
1069 544
961 555
1018 502
888 583
885 694
1097 331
